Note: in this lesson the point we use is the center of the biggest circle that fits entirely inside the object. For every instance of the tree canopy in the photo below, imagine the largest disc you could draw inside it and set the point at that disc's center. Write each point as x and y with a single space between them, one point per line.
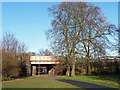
79 29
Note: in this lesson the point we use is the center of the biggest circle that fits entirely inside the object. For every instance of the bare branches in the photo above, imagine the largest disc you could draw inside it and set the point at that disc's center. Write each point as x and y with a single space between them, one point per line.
79 28
45 52
13 54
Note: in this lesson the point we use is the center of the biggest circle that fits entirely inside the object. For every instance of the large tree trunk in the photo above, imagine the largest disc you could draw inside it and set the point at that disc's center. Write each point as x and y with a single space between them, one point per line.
88 58
88 67
68 71
73 70
73 61
73 66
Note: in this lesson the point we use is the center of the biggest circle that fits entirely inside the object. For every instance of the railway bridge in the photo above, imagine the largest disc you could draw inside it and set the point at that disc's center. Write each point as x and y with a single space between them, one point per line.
37 65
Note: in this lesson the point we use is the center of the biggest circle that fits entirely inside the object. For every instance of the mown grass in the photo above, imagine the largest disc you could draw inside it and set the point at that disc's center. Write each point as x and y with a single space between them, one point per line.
36 82
104 80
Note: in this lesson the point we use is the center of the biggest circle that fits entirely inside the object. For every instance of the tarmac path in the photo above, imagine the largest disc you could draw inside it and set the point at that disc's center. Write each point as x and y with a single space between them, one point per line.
85 85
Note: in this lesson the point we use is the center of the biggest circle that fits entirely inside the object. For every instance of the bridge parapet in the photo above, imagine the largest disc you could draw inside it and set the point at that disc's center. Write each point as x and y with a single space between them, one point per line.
45 59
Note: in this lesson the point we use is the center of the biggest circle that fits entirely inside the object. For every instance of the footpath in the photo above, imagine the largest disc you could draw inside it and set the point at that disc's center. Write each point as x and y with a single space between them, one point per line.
85 85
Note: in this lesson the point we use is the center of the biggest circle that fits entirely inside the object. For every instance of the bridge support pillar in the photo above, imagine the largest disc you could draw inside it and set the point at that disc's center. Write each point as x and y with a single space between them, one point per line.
33 70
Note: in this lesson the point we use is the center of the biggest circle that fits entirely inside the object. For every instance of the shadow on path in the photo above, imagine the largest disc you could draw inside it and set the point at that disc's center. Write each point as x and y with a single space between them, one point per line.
87 86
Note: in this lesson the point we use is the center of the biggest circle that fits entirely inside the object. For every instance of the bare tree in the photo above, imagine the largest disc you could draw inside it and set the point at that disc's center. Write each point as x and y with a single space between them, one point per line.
21 52
12 55
45 52
78 28
32 53
10 64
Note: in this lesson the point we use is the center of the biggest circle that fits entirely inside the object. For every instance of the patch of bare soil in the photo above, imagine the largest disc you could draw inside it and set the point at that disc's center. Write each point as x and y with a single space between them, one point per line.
46 76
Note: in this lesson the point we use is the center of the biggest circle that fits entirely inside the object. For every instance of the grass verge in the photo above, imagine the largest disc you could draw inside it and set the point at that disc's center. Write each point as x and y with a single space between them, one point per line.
36 82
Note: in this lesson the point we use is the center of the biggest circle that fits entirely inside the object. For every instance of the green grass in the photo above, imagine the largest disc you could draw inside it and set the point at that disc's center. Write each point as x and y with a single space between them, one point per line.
36 82
105 80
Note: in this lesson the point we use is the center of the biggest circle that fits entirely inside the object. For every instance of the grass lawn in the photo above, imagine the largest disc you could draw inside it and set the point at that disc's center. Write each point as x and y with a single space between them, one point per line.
36 82
105 80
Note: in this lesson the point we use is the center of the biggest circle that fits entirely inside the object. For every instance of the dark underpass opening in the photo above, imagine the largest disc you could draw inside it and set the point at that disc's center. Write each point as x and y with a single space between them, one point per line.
37 69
